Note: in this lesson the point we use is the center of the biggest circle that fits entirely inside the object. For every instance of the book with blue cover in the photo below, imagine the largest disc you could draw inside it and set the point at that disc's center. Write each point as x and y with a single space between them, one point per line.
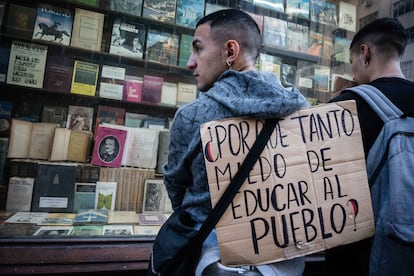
189 12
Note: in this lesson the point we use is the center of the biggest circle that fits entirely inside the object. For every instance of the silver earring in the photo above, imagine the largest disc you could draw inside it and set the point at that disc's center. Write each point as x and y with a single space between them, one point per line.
228 62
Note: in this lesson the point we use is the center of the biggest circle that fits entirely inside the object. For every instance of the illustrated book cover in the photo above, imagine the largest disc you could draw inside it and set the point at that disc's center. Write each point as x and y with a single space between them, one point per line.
55 114
274 32
105 195
109 147
128 38
80 117
47 231
118 230
87 29
156 199
186 48
323 12
273 5
189 12
163 11
162 47
58 219
91 217
5 118
20 20
54 188
87 230
298 8
84 196
84 78
112 82
110 115
53 24
133 7
27 64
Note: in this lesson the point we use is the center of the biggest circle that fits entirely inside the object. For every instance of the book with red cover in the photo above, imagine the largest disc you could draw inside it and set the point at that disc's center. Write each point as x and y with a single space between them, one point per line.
132 89
152 89
109 147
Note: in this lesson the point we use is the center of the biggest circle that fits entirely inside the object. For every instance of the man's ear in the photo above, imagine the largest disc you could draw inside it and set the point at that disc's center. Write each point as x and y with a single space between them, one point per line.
232 49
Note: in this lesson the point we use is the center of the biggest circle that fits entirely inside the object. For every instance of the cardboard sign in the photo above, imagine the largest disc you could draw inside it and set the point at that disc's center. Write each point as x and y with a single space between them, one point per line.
307 192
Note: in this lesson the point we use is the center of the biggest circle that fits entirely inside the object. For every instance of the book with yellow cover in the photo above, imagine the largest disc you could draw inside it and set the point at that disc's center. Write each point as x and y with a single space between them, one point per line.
84 78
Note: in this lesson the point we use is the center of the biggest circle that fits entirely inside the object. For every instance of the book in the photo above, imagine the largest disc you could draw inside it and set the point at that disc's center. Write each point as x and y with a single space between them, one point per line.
90 217
24 217
297 36
189 12
80 117
118 230
109 147
186 48
152 89
341 49
128 38
58 219
321 78
169 93
30 139
27 64
163 11
142 148
135 119
54 188
163 150
84 196
157 123
274 32
110 115
70 145
58 73
87 230
105 195
146 230
298 8
347 16
87 29
151 219
315 43
55 114
288 75
112 82
133 89
4 62
20 20
123 217
53 24
19 194
161 47
5 118
133 7
270 63
84 78
22 167
156 199
47 231
273 5
323 12
28 111
186 93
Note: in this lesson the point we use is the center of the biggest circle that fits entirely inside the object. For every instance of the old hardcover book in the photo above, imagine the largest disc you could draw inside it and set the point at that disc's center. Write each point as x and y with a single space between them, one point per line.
169 93
71 145
133 89
55 114
274 32
133 7
27 64
128 38
53 24
298 8
84 196
118 230
20 20
91 217
163 11
112 82
152 89
123 217
19 194
143 141
84 78
80 117
162 47
109 147
54 188
30 140
5 118
189 12
163 150
105 195
58 75
186 48
186 93
87 29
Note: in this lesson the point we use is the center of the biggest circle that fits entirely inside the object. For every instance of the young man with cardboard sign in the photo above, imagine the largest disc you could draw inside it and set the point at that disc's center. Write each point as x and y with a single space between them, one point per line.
307 192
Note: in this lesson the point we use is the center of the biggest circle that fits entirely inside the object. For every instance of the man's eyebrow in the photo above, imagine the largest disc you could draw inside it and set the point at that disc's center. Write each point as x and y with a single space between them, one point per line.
195 41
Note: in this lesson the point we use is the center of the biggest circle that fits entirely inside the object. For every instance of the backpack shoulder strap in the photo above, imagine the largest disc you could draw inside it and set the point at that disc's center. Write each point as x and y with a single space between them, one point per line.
385 109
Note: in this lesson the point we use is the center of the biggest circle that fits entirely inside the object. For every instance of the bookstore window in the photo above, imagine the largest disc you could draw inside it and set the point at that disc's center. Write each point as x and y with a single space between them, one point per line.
367 19
403 7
